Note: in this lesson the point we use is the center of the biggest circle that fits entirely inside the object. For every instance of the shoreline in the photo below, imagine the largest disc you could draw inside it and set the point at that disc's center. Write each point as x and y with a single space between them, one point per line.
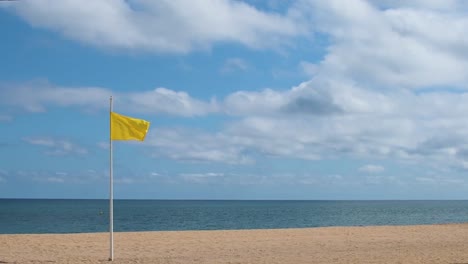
244 229
434 243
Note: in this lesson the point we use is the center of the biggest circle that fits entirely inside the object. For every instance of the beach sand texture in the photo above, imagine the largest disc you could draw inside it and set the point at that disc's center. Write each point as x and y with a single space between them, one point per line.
384 244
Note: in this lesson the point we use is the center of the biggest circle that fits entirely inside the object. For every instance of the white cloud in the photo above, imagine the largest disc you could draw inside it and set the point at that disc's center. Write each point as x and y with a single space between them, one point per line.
234 64
57 147
393 47
361 101
162 100
37 96
376 92
189 145
317 119
447 5
246 102
326 119
371 168
302 99
308 68
175 26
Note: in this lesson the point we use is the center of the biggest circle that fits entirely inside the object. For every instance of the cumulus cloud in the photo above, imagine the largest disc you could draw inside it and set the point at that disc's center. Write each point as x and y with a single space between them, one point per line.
399 124
38 96
35 96
336 121
317 119
381 89
162 100
348 121
389 45
173 26
448 5
391 84
57 147
299 100
308 68
188 145
239 143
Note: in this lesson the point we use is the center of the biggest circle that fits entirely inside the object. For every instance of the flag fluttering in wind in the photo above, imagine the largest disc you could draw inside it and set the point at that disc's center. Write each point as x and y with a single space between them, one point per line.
121 128
128 128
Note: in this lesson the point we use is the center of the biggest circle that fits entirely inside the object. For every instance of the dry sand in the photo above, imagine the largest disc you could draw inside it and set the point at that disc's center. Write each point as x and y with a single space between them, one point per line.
385 244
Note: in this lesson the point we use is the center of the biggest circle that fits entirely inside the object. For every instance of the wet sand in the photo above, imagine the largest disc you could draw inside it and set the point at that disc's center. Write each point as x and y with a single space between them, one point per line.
383 244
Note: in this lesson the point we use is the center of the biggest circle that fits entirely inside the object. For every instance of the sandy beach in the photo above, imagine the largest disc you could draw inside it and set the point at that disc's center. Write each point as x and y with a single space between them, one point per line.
384 244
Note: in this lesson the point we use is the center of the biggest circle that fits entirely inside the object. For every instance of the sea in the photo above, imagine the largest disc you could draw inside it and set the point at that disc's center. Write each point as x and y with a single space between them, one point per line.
36 216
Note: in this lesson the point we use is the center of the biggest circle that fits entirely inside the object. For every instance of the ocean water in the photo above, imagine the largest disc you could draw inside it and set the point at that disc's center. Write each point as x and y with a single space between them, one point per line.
77 216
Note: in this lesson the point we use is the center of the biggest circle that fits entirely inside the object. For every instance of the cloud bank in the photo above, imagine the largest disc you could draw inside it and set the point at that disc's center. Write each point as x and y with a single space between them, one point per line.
392 83
167 26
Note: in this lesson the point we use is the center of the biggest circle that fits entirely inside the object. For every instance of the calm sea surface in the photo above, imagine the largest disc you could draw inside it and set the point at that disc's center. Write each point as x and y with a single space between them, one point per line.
76 216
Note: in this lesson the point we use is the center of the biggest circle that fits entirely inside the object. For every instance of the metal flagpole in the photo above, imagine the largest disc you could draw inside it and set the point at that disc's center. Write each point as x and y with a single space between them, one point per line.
111 189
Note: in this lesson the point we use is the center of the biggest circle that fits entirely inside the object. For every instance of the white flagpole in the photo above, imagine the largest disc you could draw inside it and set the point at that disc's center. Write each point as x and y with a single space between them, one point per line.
111 189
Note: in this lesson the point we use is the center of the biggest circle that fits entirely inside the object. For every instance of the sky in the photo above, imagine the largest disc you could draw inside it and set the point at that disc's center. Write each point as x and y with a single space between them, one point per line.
255 99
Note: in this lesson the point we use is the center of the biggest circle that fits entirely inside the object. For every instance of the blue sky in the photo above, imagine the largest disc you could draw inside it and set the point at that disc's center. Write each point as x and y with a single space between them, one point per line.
267 99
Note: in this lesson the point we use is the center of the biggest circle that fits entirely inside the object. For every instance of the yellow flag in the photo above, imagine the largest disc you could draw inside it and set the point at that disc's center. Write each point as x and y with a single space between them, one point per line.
128 128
